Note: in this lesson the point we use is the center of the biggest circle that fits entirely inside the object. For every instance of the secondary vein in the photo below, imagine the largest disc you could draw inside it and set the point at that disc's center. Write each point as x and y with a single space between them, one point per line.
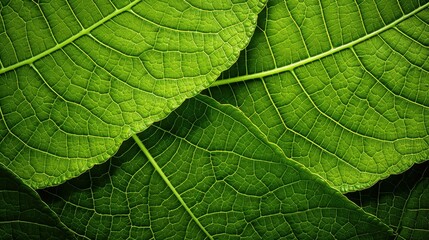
316 57
167 181
71 39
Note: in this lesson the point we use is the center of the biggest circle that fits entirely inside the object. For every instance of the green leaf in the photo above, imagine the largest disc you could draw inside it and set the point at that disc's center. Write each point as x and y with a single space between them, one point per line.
212 175
401 201
338 101
79 77
341 87
22 213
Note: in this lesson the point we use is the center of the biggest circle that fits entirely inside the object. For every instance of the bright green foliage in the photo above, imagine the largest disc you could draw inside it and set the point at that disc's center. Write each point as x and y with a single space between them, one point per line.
22 213
236 184
79 77
400 201
341 86
329 97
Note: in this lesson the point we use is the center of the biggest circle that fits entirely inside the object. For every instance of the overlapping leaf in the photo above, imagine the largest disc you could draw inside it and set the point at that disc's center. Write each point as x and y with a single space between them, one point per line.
79 77
340 90
341 86
233 184
23 215
402 202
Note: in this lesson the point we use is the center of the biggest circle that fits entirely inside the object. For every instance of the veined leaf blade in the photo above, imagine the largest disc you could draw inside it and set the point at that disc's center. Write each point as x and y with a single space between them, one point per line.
400 201
340 92
79 77
23 215
237 185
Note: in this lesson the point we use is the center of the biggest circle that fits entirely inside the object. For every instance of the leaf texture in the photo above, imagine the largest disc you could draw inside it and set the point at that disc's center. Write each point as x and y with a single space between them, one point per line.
338 101
236 185
401 201
22 213
341 86
79 77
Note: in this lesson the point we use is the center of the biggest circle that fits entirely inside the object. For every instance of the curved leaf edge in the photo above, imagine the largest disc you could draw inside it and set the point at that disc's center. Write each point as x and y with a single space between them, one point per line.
400 168
137 127
236 113
41 205
385 193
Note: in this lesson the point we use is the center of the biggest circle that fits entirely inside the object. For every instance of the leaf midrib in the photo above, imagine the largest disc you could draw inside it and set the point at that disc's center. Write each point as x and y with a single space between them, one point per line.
319 56
83 32
169 184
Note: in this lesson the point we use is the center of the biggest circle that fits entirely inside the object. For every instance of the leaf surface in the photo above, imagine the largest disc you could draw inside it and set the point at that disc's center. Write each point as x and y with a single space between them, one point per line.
341 86
23 215
204 183
400 201
340 92
79 77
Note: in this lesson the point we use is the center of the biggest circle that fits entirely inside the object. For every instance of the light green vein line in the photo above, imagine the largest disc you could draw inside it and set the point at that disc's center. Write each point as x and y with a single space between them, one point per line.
71 39
172 188
316 57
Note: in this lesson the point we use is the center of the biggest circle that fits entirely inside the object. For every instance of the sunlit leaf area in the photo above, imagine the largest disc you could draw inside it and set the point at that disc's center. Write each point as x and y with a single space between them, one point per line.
230 119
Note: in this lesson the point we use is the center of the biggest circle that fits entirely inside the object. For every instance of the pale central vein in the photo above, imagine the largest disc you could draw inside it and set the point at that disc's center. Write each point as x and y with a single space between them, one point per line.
316 57
71 39
169 184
